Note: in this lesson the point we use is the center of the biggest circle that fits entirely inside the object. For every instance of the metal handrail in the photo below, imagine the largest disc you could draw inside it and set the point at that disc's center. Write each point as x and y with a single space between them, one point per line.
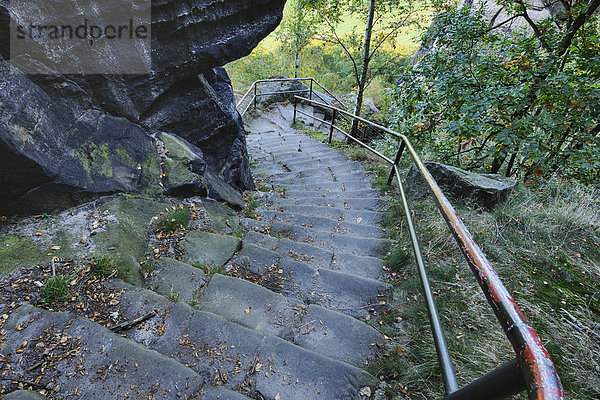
533 369
255 85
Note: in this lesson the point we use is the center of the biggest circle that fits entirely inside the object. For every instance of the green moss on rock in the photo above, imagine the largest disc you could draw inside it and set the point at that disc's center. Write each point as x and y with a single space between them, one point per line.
17 251
127 239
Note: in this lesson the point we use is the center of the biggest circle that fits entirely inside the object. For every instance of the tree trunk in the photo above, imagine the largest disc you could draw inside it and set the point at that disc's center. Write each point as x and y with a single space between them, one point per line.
366 58
496 164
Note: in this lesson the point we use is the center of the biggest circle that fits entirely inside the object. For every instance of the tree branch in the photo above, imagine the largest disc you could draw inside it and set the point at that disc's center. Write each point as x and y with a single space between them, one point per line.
504 22
380 43
533 26
341 43
577 24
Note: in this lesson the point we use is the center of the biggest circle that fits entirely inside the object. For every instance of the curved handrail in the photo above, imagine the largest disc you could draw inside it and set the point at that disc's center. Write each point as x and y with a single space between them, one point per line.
257 82
532 359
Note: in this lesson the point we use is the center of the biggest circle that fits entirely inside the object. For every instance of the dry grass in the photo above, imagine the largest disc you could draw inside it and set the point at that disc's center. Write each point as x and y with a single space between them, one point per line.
544 243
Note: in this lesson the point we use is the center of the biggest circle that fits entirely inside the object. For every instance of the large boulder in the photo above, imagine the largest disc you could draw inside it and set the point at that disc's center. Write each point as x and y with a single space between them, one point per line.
496 13
65 139
482 190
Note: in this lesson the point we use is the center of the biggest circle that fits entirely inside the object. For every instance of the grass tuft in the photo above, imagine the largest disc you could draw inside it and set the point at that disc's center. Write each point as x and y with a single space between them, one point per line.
103 265
56 290
209 269
174 219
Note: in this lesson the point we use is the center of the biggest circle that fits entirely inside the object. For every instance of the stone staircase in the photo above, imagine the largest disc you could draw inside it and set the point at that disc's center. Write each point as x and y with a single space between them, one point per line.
287 316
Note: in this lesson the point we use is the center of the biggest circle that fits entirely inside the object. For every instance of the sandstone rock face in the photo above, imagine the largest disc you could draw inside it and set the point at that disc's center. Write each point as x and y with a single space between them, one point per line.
69 138
483 190
538 10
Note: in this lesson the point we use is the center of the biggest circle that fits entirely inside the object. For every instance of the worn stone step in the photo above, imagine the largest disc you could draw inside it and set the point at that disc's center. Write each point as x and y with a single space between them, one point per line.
88 361
335 290
219 393
312 327
208 248
288 142
294 179
348 194
297 165
345 227
340 169
285 144
177 280
356 217
299 152
266 170
271 248
329 186
228 354
319 238
274 201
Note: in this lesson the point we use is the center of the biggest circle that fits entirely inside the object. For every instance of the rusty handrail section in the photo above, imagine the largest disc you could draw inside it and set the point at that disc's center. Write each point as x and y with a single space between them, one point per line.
532 370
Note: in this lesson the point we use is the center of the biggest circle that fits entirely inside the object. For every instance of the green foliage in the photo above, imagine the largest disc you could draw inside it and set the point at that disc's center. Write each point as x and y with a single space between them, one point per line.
174 219
522 104
296 29
327 63
56 290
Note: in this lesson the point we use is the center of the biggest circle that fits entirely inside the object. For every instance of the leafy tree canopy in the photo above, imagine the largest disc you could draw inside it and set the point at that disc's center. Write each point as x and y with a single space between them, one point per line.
524 103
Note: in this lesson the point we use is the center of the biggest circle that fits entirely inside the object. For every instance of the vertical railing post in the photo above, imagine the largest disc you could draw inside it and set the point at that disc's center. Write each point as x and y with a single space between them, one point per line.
331 127
311 89
295 106
439 340
255 96
396 161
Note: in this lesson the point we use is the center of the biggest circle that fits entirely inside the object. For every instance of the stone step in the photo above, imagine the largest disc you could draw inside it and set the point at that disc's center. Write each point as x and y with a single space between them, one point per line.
301 161
329 186
294 221
348 194
209 249
331 289
356 217
274 201
292 149
312 327
346 168
299 164
177 280
276 167
324 178
314 257
295 151
219 393
228 354
285 143
81 359
343 242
